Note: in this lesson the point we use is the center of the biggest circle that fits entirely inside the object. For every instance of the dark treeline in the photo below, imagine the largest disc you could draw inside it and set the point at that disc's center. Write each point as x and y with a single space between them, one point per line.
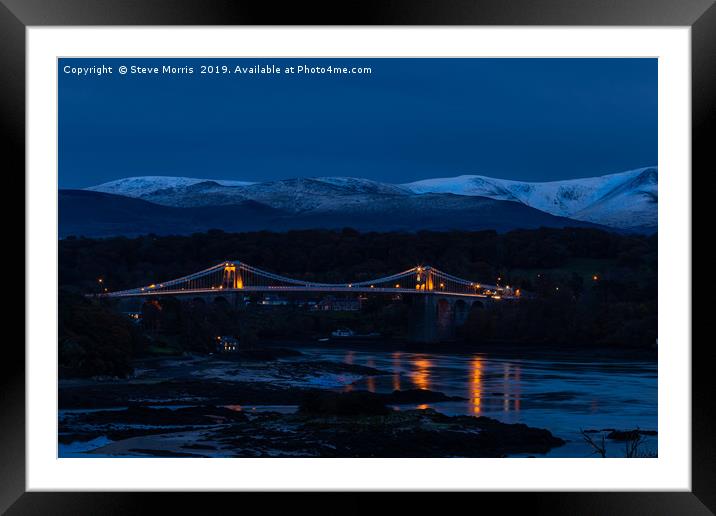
343 256
584 287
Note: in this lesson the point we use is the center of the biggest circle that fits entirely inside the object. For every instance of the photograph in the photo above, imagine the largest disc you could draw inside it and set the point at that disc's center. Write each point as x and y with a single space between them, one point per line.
343 257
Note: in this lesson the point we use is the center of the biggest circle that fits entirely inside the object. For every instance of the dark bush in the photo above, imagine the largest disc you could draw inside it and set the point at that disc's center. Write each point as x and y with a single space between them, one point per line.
94 340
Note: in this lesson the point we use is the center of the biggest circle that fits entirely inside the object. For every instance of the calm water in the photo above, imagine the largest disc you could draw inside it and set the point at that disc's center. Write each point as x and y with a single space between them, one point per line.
563 395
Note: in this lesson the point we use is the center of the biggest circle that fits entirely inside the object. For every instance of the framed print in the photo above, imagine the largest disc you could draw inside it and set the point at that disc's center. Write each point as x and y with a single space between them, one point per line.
408 248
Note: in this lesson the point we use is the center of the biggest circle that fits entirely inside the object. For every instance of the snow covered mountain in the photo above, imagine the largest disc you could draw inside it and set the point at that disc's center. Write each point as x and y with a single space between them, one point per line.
147 185
627 200
293 195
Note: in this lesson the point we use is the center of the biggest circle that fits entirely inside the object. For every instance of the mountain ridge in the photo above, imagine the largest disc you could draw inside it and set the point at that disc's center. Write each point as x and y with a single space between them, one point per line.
625 200
575 198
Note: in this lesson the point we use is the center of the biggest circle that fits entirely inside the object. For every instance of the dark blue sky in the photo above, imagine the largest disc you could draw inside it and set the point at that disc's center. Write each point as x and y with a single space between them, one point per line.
526 119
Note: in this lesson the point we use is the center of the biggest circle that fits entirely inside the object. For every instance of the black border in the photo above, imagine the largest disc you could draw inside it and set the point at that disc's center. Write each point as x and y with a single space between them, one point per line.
16 15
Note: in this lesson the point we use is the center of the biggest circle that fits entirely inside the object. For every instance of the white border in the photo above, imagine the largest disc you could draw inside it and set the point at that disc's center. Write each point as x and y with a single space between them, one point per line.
670 471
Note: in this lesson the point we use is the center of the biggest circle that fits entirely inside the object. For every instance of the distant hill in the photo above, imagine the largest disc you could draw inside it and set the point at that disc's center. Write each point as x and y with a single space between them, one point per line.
97 214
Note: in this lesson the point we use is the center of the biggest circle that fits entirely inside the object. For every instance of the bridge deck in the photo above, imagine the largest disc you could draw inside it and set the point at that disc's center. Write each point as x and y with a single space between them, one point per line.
223 291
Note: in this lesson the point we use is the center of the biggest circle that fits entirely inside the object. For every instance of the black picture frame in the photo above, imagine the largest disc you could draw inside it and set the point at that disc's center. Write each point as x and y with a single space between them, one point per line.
17 15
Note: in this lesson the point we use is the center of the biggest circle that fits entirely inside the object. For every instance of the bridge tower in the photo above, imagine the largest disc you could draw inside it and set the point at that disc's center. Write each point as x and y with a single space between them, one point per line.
232 277
424 278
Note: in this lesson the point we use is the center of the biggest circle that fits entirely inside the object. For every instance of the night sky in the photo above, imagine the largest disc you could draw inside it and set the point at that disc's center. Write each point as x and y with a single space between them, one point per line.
524 119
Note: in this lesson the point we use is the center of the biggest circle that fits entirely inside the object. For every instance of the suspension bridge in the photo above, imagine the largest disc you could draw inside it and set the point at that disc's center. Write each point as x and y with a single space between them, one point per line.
440 301
234 276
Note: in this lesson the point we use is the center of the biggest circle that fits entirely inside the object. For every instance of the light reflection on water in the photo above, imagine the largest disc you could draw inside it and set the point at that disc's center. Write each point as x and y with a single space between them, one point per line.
563 395
397 355
476 384
421 372
370 381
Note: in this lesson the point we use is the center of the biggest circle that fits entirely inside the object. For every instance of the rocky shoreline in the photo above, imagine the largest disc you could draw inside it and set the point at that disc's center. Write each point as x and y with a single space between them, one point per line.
362 427
227 407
